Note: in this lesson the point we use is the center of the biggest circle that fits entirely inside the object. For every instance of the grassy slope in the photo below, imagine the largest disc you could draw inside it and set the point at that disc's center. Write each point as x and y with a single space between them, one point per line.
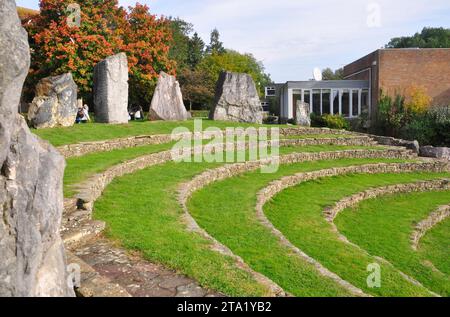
297 212
434 250
97 131
383 227
80 168
226 210
142 212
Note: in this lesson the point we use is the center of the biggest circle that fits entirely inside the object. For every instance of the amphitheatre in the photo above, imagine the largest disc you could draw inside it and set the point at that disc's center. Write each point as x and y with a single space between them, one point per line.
344 214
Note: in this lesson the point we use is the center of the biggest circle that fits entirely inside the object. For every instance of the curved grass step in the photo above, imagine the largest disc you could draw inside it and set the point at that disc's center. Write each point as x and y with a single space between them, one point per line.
305 227
277 186
156 238
434 248
421 229
395 216
205 205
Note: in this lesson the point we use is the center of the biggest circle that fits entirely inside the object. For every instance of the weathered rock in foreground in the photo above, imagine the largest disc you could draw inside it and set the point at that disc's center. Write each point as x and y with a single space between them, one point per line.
55 104
167 103
32 253
237 99
302 114
111 90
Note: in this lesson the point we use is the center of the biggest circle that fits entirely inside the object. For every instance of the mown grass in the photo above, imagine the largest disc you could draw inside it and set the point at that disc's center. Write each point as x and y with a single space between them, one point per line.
142 212
384 226
226 210
98 132
81 168
434 247
298 213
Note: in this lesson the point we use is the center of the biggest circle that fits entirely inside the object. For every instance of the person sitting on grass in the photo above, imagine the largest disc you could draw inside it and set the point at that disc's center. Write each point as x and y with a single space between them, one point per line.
81 116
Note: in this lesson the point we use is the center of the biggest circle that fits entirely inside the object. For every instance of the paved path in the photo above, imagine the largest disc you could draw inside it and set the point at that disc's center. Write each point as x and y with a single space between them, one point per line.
139 277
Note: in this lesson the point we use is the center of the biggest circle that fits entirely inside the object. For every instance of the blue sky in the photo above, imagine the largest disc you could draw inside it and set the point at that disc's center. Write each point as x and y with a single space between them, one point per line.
292 37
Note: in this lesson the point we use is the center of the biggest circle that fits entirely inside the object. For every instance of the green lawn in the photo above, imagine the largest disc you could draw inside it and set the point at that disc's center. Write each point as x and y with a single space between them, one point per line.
226 210
383 226
97 131
432 249
298 213
81 168
142 212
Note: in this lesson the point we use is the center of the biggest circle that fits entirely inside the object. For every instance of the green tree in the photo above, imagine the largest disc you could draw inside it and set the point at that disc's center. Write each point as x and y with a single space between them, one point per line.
179 48
329 74
428 38
196 51
235 62
215 46
198 87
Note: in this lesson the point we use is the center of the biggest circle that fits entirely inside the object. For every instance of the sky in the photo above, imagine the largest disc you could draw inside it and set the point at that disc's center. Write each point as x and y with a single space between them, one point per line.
292 37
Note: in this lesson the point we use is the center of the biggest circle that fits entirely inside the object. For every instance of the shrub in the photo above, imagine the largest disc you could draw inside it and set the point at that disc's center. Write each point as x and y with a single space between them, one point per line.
418 100
329 121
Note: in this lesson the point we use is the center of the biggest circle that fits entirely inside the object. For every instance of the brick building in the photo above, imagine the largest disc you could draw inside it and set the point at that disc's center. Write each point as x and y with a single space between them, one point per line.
396 70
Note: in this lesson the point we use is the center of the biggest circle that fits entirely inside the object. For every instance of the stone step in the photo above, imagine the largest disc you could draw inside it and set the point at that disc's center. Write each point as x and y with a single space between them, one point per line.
91 283
81 231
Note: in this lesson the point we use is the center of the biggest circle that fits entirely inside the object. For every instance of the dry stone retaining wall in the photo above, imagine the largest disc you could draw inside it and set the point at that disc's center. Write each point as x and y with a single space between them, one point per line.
347 202
278 186
186 190
436 217
80 149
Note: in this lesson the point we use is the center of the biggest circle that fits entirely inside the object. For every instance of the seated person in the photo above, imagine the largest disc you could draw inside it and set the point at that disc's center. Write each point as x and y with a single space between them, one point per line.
81 116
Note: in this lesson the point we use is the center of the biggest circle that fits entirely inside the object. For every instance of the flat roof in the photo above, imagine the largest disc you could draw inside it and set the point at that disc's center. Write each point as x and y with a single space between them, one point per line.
328 84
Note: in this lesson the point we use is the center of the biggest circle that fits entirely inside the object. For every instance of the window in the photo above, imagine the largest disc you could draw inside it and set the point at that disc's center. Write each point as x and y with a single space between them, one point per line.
335 101
316 101
365 101
297 94
307 96
346 103
326 101
271 92
355 103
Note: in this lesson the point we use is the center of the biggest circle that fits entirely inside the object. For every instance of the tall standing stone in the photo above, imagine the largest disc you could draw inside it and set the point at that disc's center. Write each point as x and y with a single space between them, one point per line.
237 99
55 104
32 259
111 90
167 103
302 114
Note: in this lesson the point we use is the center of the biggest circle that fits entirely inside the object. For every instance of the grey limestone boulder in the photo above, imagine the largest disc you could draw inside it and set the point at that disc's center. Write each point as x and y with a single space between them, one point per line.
32 254
302 114
55 104
111 90
435 152
167 103
237 99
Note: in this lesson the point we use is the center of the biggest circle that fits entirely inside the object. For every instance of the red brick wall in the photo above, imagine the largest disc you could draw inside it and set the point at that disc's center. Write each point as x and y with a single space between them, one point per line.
397 70
361 70
427 68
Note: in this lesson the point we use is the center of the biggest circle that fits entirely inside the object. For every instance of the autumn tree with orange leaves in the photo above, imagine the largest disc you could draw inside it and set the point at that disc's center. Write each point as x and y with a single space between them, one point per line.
105 29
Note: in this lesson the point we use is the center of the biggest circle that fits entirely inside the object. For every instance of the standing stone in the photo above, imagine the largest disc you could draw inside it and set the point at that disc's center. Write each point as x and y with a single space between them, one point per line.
32 258
111 90
237 99
167 103
55 104
302 114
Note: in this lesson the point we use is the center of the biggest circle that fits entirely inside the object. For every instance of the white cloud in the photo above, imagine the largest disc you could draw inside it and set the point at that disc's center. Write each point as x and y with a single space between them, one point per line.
293 36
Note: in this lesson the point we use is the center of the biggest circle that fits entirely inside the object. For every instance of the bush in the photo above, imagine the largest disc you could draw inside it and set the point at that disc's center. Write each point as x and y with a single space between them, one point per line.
430 128
329 121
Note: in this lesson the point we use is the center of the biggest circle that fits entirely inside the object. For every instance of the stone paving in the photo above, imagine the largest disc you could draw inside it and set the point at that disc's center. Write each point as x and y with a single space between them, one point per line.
139 277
